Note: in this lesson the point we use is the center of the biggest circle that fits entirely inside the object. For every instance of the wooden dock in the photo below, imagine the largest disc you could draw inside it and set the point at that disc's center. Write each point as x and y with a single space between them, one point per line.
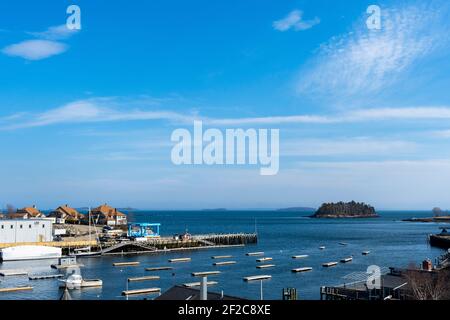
221 257
264 259
126 264
158 268
224 263
13 272
66 266
14 289
254 278
197 284
265 266
301 256
345 260
141 291
180 260
205 273
305 269
46 276
145 278
329 264
255 253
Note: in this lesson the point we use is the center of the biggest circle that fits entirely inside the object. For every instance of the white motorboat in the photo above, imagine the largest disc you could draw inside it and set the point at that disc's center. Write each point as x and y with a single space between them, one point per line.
76 281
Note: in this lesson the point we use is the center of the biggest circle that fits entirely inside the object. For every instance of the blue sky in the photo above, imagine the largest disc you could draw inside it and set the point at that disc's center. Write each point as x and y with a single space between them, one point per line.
86 116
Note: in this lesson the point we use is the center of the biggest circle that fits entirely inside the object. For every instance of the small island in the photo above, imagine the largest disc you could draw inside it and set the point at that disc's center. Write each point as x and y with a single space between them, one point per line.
345 210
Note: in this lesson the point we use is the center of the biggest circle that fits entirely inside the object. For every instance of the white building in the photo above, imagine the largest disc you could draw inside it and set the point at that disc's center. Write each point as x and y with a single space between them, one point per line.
25 230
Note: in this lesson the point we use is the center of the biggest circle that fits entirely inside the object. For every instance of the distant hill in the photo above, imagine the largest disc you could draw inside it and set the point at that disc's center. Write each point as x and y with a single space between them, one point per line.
297 209
345 210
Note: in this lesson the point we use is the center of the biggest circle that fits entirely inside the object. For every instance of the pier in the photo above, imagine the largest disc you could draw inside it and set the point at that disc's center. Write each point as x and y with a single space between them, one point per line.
163 244
126 264
254 278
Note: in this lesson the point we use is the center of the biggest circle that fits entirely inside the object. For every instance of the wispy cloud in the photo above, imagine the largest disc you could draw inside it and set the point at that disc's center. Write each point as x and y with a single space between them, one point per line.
359 146
294 20
35 49
44 47
144 109
366 61
55 33
97 110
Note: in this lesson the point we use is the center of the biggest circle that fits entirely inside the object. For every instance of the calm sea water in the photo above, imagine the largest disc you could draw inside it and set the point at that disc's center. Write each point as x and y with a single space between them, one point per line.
281 235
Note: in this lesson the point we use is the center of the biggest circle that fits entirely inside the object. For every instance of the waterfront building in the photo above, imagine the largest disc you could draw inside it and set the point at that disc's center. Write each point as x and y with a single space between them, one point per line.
27 213
66 214
108 215
25 231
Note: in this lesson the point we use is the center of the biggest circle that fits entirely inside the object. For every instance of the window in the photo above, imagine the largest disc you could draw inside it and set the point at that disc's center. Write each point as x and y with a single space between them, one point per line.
29 226
21 226
12 226
3 227
43 226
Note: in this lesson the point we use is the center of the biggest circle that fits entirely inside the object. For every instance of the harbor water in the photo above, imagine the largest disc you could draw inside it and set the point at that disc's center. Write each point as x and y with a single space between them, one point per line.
281 235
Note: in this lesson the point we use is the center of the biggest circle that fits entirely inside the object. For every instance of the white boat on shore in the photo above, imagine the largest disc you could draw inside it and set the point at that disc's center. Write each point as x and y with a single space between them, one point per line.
29 252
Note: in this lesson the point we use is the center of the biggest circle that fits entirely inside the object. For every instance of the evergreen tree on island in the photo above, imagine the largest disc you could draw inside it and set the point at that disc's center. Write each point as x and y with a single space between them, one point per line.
345 210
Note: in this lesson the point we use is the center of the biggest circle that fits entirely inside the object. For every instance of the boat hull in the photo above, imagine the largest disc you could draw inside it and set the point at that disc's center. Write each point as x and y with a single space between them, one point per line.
29 253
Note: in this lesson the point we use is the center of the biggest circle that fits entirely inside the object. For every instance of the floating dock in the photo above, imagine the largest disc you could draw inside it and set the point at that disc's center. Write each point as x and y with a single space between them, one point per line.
14 289
345 260
254 278
158 268
254 253
264 259
141 291
343 243
265 266
13 272
197 284
322 247
329 264
146 278
180 260
205 273
301 256
305 269
365 253
66 266
221 257
224 263
126 264
46 276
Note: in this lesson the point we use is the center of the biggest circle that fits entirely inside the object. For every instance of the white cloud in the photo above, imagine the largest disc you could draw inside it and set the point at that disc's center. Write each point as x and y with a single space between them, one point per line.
97 110
117 109
366 61
55 33
294 21
35 49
